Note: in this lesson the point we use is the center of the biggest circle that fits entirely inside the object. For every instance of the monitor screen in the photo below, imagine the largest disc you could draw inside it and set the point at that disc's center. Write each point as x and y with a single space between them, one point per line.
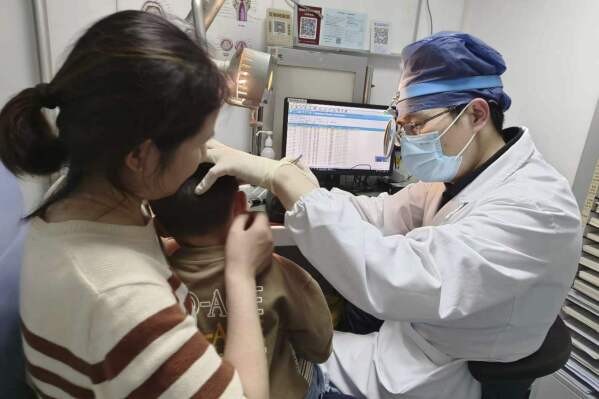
336 137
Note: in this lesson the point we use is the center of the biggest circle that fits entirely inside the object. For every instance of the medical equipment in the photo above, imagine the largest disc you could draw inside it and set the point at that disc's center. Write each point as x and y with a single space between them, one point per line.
336 137
250 71
254 195
251 74
257 195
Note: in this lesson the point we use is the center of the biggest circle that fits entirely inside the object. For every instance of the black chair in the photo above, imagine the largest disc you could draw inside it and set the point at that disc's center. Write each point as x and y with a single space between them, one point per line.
513 380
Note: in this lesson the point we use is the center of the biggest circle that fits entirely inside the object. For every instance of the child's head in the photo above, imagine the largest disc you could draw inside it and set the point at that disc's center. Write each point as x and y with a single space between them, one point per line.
189 217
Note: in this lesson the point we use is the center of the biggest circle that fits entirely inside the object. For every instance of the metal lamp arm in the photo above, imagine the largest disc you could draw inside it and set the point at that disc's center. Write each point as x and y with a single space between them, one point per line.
202 19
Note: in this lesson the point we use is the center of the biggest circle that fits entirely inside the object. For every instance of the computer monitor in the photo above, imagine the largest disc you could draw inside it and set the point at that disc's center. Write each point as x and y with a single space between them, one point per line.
336 137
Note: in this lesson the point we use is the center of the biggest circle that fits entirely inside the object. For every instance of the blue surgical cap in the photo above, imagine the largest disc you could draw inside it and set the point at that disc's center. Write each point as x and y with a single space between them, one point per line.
449 68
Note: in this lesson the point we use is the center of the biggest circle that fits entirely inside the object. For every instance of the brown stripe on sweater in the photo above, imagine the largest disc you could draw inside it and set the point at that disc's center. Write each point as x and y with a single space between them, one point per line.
135 341
130 346
59 382
217 383
55 351
188 304
174 282
173 368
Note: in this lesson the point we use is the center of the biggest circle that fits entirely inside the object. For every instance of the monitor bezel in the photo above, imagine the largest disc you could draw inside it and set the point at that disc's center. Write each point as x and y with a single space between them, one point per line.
357 172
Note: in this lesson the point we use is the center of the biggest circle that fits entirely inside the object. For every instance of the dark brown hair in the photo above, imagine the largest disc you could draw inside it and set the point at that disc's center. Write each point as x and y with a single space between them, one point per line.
185 214
132 76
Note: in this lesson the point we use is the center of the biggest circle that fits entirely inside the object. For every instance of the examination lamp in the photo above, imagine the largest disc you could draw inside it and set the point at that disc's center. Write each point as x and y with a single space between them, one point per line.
250 72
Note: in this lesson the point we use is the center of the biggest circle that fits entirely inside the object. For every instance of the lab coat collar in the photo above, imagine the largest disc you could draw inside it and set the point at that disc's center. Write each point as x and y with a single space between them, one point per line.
493 176
510 136
506 165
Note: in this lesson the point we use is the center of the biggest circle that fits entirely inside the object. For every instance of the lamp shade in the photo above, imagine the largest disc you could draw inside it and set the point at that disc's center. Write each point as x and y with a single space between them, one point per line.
250 74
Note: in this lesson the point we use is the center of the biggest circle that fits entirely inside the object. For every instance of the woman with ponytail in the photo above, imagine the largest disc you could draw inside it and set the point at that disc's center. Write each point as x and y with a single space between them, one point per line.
102 315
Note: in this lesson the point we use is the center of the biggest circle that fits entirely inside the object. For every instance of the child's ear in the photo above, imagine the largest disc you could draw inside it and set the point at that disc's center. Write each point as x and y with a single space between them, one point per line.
240 204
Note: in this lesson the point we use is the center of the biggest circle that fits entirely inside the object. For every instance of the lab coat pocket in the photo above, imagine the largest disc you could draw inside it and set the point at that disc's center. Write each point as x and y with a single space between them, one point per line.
405 358
410 366
434 354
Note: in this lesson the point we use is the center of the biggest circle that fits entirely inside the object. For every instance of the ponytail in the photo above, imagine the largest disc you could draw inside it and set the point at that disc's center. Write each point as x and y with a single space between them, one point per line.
27 143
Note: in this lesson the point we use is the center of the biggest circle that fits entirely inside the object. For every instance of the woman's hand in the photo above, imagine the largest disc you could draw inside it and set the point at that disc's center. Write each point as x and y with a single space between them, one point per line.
248 249
249 246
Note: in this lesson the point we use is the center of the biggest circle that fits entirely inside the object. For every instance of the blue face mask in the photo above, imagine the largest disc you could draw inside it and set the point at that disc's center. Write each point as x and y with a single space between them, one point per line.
424 158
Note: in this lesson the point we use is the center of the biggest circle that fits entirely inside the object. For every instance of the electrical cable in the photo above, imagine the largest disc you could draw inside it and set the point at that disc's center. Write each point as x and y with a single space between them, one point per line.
430 15
362 164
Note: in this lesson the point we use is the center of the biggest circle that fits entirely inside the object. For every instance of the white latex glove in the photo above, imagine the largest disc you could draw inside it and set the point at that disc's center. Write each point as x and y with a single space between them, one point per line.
258 171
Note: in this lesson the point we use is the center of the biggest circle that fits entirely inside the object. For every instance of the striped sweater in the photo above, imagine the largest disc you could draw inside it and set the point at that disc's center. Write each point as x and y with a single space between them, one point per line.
102 316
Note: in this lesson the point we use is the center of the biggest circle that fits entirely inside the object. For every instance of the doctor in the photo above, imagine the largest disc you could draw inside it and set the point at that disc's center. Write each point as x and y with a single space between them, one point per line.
471 263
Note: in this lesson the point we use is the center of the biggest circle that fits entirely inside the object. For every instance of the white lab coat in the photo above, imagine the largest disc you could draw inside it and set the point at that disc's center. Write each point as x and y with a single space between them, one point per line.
483 278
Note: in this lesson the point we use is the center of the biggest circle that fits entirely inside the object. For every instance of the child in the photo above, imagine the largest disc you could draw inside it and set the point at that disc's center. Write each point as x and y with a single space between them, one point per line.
296 322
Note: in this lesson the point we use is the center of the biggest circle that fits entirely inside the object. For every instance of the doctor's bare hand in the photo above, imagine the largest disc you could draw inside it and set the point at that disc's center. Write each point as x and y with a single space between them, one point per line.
249 246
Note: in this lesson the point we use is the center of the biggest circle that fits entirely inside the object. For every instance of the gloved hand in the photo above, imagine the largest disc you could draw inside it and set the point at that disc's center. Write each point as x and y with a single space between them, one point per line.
229 161
258 171
306 170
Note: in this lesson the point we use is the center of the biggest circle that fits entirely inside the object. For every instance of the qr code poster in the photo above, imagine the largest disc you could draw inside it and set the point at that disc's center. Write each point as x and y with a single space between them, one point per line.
279 27
308 25
380 37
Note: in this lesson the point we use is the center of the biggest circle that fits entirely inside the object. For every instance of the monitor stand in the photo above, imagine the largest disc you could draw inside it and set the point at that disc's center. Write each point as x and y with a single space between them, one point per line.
333 180
329 181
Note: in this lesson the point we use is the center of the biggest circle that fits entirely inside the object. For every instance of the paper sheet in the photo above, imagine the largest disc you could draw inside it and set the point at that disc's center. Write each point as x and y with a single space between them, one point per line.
343 29
380 37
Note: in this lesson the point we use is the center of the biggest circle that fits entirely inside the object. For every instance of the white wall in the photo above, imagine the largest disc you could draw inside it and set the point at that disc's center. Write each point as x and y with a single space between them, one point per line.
552 52
17 41
19 70
447 16
68 19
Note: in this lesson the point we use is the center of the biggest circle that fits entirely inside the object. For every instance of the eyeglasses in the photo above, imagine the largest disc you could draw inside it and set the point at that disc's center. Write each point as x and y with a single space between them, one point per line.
394 131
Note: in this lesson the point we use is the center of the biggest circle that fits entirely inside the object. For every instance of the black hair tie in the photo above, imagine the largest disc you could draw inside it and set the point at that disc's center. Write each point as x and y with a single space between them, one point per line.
47 100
